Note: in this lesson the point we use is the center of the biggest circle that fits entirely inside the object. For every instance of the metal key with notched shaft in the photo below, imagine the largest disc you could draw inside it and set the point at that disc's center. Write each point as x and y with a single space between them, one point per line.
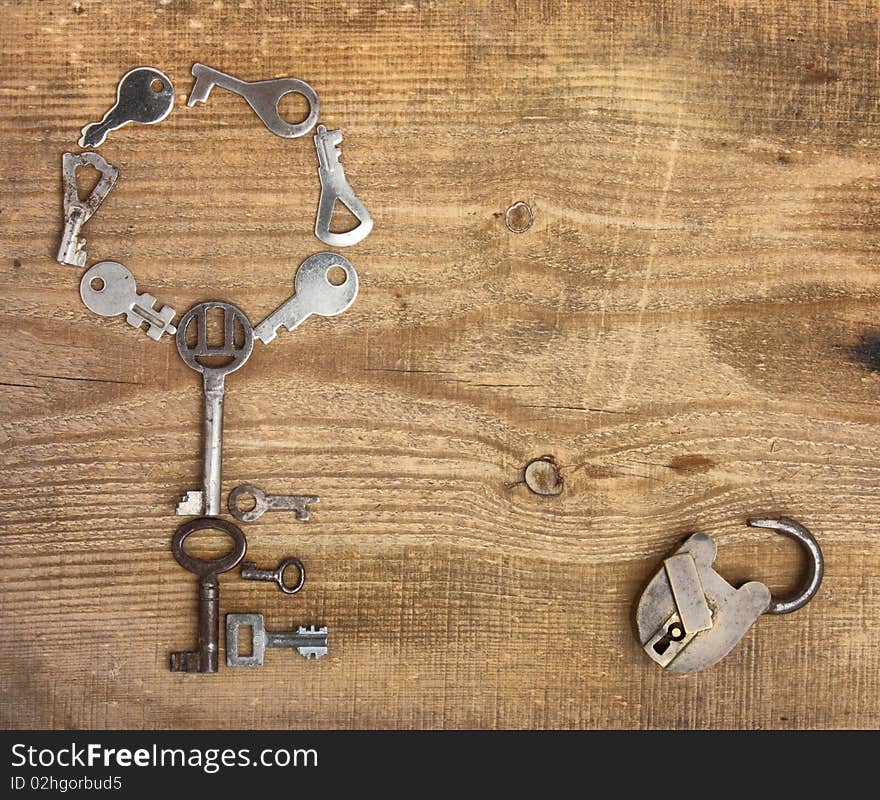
204 658
108 289
78 211
144 95
262 96
309 642
268 502
315 294
236 354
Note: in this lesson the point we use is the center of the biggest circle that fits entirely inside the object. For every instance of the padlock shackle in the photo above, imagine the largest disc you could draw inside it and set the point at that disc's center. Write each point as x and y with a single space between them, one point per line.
815 564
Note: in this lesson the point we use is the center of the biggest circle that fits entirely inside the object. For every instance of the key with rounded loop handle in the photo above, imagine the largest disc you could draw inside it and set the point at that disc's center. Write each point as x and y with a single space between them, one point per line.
251 572
144 95
264 502
315 294
108 289
207 501
205 657
262 96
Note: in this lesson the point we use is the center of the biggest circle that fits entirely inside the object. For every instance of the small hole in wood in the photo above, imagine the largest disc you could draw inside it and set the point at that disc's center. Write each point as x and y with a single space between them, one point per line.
519 217
543 476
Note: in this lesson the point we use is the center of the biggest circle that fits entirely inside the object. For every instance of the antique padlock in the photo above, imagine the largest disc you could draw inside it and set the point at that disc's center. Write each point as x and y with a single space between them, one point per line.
689 617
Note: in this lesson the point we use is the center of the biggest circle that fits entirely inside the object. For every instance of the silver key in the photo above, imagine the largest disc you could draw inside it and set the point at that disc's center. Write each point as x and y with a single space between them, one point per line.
262 97
689 617
77 212
207 501
335 186
268 502
309 642
251 572
314 295
144 95
108 289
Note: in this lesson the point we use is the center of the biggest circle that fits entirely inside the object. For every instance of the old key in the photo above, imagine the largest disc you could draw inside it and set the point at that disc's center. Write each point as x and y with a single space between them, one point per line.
108 289
264 502
315 294
204 659
262 96
310 643
144 95
234 354
76 211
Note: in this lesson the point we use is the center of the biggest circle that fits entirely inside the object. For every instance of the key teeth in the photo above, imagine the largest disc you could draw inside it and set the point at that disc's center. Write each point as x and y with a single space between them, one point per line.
192 504
312 652
166 314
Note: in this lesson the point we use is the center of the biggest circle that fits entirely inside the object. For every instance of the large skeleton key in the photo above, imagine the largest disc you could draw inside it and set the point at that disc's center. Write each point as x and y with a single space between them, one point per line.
207 501
204 657
262 97
315 294
108 289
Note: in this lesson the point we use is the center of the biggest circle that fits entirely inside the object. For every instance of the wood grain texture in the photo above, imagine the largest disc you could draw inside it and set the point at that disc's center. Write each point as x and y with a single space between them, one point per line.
689 328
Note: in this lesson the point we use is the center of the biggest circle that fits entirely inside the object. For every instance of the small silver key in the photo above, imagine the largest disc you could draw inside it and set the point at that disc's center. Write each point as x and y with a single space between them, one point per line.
251 572
335 186
234 351
262 97
77 212
144 95
309 642
315 294
108 289
268 502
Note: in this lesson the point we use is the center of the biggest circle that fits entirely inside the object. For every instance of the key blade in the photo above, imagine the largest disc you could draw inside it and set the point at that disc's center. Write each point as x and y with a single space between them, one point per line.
292 502
314 642
205 81
93 134
192 504
291 315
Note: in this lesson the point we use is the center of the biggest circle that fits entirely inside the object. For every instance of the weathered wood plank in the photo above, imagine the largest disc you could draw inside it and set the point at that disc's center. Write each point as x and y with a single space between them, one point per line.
689 328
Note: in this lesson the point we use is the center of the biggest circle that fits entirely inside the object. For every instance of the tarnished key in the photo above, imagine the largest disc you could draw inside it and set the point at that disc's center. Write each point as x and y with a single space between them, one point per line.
309 642
262 97
315 294
268 502
251 572
144 95
108 289
77 212
207 501
204 658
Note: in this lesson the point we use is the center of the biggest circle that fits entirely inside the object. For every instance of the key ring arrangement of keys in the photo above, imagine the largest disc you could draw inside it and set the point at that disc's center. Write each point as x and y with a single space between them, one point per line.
146 96
688 617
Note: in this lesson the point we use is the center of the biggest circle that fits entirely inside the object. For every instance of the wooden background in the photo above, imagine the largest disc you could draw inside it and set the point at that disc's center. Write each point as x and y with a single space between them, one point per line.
689 328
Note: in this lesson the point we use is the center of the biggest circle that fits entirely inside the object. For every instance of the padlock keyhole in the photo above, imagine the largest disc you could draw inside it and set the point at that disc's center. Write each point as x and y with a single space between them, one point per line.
674 633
